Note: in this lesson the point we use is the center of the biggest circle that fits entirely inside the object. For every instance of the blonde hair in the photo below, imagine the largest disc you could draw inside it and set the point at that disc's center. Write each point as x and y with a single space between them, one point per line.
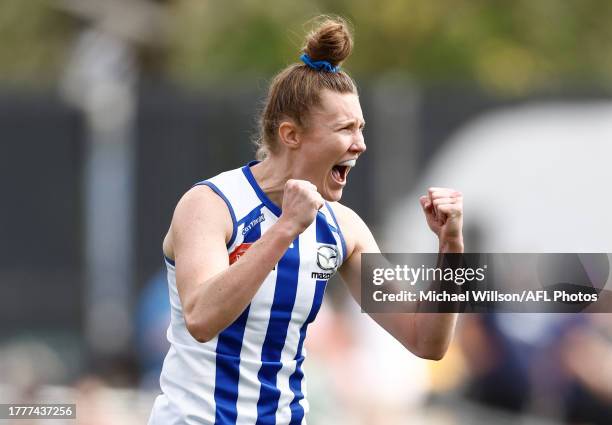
296 89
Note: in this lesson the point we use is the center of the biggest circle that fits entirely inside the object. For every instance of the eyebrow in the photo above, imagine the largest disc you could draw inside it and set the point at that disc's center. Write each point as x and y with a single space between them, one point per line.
350 121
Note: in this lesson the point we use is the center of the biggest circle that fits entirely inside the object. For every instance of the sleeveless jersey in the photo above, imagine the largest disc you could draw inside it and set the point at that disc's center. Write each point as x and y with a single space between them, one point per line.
251 372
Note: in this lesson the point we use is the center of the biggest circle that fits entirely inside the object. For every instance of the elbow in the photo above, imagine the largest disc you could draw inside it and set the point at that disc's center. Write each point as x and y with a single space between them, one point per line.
198 329
435 355
434 352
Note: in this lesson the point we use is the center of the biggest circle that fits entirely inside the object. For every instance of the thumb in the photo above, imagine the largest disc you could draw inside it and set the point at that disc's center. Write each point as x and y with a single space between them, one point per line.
424 201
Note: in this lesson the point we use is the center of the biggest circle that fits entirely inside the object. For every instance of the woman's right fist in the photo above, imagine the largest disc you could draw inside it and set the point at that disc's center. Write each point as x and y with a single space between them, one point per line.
301 201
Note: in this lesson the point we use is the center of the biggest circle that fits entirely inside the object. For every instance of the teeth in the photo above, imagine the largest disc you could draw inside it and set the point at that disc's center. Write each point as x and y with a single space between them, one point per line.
348 163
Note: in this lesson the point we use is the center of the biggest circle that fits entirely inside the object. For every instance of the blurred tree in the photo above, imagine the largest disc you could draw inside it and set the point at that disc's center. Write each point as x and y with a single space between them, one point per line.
513 47
510 46
34 41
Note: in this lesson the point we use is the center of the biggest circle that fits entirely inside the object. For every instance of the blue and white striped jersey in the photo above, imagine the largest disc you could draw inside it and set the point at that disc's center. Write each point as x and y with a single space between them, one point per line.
251 373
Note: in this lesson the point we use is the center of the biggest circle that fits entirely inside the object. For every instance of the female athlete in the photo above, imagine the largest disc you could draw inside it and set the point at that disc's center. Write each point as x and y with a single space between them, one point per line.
249 253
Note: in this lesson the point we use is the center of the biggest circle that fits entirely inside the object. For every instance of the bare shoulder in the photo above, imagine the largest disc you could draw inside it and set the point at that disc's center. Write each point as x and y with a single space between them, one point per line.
353 228
198 213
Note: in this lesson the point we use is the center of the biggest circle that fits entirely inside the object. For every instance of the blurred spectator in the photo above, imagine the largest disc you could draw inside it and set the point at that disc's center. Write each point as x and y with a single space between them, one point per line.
371 379
585 353
152 320
497 363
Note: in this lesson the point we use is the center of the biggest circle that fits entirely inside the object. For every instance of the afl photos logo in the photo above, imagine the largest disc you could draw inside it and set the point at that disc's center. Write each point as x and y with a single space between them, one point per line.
327 257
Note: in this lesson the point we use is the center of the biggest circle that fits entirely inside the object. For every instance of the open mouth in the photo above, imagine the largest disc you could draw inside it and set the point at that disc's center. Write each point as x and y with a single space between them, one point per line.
341 170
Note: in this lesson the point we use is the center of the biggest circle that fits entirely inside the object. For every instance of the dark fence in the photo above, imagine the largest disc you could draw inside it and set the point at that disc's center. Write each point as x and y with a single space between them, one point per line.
40 221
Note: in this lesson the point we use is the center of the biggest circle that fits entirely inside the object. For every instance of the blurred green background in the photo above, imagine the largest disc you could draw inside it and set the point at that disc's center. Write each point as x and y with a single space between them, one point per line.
509 47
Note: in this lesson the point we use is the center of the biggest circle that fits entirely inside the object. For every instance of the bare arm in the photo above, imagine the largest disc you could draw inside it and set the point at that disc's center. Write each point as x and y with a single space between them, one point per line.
427 335
213 293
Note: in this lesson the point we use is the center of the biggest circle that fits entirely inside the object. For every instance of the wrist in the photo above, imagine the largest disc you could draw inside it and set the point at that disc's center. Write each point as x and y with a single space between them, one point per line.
451 245
286 229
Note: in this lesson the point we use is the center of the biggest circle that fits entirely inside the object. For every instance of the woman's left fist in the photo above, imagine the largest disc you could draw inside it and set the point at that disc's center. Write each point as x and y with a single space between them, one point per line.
443 208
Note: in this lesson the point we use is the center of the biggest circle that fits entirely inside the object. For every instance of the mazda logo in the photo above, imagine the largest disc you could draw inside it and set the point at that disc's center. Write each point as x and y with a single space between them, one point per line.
327 257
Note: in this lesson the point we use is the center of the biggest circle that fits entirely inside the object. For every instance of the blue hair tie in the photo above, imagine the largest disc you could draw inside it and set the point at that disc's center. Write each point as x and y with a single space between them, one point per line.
319 65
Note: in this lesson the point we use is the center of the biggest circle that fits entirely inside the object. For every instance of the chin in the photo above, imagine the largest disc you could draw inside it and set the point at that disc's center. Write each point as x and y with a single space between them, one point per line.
333 196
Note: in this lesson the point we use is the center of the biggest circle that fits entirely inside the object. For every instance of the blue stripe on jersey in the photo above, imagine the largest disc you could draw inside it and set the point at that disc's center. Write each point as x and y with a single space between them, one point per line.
339 231
260 193
324 233
229 344
295 380
229 206
280 316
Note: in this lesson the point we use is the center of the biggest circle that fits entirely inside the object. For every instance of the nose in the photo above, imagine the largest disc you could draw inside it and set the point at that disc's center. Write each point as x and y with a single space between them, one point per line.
358 145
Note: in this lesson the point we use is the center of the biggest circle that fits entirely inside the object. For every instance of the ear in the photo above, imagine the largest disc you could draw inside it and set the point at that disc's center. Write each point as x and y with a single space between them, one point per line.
288 134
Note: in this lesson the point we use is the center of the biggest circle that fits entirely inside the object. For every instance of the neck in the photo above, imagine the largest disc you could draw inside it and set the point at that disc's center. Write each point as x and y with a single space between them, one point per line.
271 175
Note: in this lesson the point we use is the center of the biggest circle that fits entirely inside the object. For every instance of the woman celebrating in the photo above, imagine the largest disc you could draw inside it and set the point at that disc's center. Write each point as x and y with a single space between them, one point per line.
249 253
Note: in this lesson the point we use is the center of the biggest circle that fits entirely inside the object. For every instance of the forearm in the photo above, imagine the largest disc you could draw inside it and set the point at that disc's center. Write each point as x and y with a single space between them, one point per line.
434 331
217 302
433 334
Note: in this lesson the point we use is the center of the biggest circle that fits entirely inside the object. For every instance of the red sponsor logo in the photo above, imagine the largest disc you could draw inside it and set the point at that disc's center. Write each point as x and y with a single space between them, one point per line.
238 252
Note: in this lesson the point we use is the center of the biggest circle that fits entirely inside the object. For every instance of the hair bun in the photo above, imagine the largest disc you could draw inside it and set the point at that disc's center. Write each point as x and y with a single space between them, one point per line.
330 41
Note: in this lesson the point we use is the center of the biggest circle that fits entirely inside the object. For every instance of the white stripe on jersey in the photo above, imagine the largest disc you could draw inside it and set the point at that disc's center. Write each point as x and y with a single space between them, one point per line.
303 304
252 343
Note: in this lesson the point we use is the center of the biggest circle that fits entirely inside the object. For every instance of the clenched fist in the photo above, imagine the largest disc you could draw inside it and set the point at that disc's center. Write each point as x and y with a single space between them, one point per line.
301 201
443 210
